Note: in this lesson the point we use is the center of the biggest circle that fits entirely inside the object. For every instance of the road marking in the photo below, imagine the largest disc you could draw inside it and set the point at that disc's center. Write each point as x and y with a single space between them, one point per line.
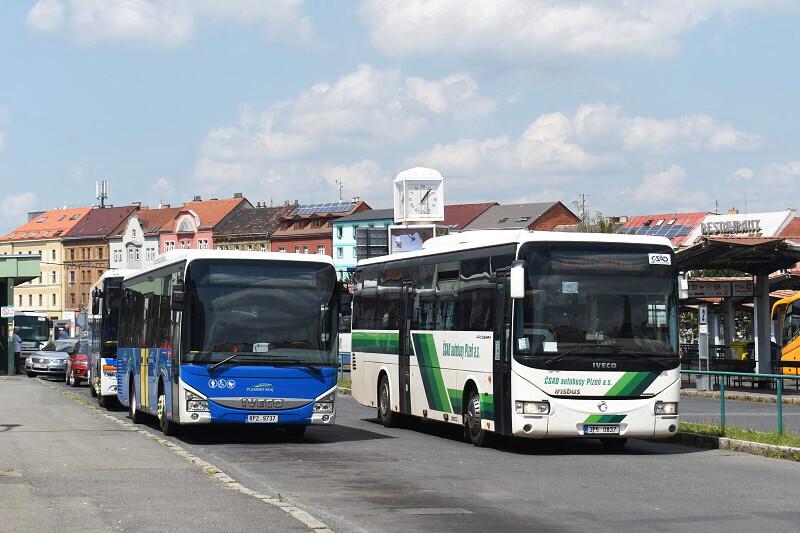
302 516
434 510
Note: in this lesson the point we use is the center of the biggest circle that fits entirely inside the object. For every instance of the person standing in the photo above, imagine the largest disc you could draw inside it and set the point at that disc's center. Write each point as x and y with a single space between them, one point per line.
63 334
17 340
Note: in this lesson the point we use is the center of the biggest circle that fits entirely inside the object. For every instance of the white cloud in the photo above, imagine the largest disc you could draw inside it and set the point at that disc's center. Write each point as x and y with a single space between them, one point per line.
662 186
769 189
529 31
361 111
14 209
163 22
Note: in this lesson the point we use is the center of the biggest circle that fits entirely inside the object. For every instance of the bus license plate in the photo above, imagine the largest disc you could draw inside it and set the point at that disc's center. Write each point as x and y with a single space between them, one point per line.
262 419
601 430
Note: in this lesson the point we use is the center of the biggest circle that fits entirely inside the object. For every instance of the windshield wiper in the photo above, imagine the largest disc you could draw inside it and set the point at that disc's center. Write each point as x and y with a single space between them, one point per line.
548 362
230 357
305 364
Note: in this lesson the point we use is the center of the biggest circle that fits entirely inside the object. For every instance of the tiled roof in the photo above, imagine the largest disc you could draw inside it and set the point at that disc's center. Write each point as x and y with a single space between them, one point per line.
212 212
371 214
256 221
100 222
792 229
307 214
511 216
153 220
675 226
457 216
51 224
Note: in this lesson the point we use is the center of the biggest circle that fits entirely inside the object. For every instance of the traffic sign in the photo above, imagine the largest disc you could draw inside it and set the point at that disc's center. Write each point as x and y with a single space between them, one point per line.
6 312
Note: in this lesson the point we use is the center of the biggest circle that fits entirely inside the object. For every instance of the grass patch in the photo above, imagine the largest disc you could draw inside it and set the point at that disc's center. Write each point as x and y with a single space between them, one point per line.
731 432
345 383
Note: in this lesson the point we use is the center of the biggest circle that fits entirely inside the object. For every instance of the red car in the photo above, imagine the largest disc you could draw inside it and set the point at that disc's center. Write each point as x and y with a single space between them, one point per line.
78 365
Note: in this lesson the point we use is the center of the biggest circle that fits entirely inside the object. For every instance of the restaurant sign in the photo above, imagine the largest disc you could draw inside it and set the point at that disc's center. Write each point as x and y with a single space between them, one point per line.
731 227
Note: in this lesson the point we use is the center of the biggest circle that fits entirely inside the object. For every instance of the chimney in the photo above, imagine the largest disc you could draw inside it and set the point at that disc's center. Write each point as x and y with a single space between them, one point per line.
162 205
212 197
237 195
733 211
197 198
356 199
137 204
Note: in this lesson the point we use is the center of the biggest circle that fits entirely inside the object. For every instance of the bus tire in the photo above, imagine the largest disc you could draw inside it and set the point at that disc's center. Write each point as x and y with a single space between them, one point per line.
296 432
168 427
613 444
92 390
103 401
133 413
387 417
473 432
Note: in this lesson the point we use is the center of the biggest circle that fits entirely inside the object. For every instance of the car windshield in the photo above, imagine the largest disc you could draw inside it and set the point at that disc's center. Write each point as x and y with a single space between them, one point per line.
261 312
591 300
64 345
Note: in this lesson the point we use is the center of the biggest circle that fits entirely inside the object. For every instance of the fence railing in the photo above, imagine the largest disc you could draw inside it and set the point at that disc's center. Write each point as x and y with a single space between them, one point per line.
779 379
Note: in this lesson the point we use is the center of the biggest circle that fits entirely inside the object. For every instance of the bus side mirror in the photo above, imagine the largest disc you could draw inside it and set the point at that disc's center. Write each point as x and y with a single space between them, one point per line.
177 297
95 306
517 279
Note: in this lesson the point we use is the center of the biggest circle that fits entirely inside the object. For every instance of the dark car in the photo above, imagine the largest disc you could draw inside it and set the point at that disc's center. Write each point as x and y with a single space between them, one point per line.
51 360
77 370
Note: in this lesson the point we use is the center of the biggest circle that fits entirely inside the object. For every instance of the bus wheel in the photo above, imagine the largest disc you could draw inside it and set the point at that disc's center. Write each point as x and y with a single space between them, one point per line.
613 444
472 421
92 390
133 413
103 401
168 427
385 414
295 432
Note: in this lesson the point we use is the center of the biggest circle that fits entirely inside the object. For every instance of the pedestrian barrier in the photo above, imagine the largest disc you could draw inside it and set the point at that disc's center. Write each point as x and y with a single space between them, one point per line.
738 376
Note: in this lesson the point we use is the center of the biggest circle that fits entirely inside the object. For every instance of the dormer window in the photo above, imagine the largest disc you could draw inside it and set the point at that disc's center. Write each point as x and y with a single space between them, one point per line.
647 223
40 220
660 221
670 222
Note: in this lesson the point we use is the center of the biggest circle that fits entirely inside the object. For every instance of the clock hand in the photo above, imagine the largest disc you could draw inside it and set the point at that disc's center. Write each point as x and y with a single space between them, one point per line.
425 196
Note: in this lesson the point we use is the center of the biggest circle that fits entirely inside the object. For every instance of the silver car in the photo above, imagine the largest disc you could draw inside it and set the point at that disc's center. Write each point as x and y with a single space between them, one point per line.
51 360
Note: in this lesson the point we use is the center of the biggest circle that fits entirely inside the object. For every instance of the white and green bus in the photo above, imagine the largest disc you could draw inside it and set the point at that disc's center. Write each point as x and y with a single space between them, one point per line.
527 334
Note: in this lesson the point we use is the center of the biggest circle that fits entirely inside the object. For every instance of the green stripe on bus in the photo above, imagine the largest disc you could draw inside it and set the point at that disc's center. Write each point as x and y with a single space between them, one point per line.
487 407
375 342
431 374
604 419
456 399
632 384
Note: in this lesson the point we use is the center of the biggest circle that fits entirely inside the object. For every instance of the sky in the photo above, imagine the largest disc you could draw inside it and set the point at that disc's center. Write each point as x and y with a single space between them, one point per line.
644 107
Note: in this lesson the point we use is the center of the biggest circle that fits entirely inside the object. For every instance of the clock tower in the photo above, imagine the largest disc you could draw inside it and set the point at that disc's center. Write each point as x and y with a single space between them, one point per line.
418 196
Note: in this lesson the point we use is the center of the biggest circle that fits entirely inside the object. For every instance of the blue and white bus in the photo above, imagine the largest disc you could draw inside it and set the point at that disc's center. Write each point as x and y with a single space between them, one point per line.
105 296
216 337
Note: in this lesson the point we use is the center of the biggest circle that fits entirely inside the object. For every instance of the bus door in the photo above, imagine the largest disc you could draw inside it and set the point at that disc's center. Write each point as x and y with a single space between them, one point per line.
404 352
501 378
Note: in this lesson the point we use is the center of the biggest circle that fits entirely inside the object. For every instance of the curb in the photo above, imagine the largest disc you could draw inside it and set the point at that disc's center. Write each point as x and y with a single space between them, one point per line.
304 517
724 443
741 396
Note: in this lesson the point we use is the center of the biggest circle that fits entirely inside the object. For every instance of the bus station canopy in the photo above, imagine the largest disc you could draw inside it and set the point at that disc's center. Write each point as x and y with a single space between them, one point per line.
19 267
754 255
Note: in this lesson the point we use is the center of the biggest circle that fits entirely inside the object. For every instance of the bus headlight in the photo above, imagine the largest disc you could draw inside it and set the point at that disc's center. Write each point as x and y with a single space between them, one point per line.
195 402
532 408
666 408
324 404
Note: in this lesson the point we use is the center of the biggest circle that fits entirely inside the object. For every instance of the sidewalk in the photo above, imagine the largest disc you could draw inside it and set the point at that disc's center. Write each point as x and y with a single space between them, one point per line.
64 468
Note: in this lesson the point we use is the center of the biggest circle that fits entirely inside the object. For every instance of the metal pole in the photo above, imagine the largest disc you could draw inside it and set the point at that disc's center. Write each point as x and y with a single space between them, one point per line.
779 386
722 404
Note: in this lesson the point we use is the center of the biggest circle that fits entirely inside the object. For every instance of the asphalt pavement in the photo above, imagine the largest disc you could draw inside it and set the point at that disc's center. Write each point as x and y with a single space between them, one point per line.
751 415
360 476
63 468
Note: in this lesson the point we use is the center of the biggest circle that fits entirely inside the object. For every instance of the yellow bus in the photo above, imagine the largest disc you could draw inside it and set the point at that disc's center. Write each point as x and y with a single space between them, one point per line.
786 315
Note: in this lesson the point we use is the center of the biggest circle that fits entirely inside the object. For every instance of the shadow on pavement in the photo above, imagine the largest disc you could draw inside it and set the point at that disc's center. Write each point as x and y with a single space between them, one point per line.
521 446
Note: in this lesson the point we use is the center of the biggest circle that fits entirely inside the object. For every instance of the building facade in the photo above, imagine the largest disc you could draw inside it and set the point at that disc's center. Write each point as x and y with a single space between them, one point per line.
344 236
86 252
136 243
308 229
42 235
196 221
250 229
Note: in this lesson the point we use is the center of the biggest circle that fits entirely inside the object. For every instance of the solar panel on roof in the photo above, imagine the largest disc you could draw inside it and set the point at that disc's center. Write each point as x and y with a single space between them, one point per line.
330 207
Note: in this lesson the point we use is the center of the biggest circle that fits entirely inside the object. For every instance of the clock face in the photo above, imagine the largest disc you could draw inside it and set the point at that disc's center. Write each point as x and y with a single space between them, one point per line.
422 199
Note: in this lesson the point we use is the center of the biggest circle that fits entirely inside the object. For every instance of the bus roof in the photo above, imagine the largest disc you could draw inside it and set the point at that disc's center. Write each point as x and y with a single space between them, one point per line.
174 257
470 240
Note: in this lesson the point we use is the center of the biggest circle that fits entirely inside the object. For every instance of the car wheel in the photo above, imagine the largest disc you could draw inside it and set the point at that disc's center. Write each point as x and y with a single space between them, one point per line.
133 412
31 374
72 380
385 414
472 421
168 427
613 444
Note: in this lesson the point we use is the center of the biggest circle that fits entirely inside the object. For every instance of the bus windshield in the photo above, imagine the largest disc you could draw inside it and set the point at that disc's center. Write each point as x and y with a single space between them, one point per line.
585 300
32 327
276 312
111 301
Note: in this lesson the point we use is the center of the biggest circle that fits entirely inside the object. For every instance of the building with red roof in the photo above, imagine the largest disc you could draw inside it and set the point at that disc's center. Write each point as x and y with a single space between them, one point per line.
677 227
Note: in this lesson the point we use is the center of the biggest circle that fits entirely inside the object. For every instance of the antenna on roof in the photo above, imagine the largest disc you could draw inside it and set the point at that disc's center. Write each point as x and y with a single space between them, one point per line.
101 192
340 185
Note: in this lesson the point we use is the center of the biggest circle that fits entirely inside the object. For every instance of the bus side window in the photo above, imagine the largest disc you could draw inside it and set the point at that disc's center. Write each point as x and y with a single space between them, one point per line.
791 322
